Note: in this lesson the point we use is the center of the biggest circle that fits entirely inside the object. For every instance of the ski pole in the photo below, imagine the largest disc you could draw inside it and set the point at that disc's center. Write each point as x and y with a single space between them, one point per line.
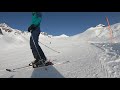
49 47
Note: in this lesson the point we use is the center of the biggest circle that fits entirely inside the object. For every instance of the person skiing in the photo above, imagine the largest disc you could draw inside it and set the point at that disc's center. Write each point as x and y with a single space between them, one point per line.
34 28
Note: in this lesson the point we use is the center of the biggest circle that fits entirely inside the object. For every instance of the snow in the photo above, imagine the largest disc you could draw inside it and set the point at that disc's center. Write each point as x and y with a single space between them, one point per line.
88 55
61 36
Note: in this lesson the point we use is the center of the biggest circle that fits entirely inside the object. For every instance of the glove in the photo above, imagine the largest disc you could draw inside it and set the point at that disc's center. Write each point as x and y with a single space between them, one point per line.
31 28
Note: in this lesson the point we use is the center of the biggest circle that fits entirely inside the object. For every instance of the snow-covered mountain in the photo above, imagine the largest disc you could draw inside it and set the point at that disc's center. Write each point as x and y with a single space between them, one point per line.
61 36
100 33
86 55
8 30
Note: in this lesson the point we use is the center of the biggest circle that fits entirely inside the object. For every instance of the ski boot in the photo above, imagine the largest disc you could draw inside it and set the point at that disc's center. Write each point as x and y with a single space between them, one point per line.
40 63
47 63
37 63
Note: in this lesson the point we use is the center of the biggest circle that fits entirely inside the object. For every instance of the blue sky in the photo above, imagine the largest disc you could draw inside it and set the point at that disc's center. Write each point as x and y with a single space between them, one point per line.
57 23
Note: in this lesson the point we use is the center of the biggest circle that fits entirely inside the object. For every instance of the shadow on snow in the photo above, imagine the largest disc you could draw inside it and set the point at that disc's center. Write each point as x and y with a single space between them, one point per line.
51 72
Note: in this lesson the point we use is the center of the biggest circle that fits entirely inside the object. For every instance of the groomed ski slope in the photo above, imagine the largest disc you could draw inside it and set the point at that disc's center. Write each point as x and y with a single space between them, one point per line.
83 61
89 56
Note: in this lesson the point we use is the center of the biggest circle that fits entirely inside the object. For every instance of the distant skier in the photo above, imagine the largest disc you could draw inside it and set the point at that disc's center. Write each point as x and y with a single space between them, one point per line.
34 28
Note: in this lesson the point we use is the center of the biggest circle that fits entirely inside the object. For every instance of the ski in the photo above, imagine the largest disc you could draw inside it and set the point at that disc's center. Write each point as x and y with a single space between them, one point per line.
30 65
14 70
58 63
54 64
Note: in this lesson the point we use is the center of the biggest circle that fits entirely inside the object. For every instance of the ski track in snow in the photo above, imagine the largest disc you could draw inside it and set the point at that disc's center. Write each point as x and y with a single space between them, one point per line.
110 58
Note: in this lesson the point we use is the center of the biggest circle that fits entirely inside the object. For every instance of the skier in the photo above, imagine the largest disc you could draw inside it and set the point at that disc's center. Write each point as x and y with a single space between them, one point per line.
34 28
